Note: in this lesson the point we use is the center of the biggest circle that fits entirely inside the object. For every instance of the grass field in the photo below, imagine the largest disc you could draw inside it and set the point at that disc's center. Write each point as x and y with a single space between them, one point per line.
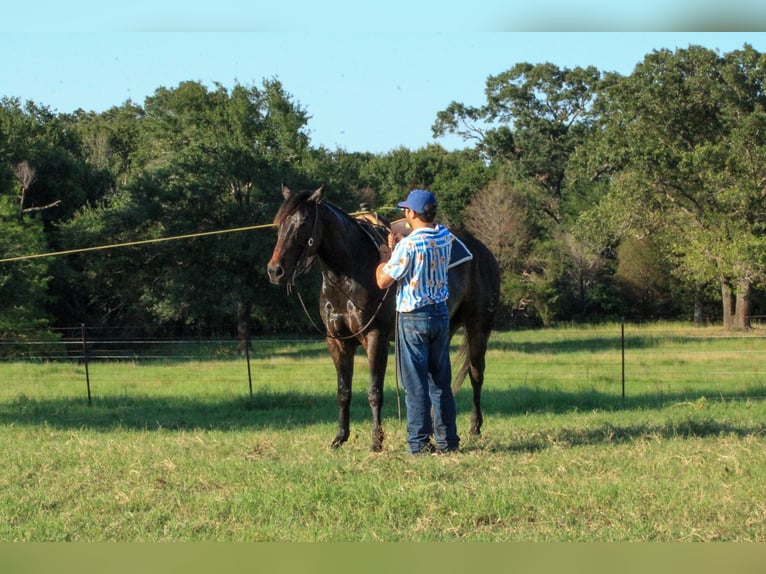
176 450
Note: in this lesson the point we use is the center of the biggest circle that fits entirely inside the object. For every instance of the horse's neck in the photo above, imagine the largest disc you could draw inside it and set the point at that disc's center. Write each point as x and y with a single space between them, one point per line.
345 249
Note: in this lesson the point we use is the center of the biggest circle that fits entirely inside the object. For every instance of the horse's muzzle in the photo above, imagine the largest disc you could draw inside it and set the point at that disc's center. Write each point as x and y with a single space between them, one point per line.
276 273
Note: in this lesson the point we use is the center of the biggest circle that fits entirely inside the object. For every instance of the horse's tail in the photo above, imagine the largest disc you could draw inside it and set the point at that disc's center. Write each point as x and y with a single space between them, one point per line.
464 364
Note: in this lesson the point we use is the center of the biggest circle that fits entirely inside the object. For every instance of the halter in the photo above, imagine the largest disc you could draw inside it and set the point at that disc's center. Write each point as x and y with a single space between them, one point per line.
304 261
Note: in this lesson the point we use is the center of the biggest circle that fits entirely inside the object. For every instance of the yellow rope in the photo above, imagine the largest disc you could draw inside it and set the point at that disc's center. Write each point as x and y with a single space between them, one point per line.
141 242
133 243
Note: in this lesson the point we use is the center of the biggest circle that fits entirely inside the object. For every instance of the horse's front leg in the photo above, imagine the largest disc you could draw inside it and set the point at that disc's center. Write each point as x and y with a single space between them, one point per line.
343 357
377 356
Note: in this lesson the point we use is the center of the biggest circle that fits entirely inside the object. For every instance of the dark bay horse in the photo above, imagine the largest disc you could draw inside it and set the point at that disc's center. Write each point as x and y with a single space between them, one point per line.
356 312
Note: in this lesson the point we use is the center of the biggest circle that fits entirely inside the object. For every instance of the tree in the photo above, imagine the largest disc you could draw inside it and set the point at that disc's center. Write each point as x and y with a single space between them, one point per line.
453 176
534 118
498 215
202 160
682 145
23 284
45 178
110 140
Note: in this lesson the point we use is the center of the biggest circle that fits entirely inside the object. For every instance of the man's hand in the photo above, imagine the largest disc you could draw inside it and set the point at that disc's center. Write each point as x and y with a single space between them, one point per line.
385 253
385 250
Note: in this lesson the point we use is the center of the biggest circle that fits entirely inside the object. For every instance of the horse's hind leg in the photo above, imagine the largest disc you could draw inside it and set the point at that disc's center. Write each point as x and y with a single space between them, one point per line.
343 357
477 350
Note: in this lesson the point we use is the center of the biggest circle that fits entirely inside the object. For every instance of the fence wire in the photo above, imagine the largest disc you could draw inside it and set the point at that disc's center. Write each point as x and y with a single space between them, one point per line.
633 359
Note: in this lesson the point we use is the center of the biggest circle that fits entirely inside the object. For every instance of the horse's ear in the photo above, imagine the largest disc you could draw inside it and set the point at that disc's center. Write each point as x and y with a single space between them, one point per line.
286 191
318 194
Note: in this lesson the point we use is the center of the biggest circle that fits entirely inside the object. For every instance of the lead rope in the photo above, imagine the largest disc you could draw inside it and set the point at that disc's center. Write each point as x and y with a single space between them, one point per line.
396 344
396 366
353 335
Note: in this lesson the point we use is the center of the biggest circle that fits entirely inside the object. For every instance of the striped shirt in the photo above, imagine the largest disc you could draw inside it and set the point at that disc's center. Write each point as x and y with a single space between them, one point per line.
419 264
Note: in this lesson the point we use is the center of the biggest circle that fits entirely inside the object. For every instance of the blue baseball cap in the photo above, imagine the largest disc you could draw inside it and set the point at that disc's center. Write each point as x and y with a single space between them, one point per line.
419 201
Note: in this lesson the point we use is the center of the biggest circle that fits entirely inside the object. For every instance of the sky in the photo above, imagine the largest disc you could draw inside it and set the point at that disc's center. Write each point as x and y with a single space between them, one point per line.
370 79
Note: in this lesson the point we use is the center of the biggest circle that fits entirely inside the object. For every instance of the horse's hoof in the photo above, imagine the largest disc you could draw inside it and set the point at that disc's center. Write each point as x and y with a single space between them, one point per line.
338 441
377 440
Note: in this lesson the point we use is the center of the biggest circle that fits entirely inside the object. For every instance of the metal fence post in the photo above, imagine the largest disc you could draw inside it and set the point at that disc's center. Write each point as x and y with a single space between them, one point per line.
622 345
85 359
249 375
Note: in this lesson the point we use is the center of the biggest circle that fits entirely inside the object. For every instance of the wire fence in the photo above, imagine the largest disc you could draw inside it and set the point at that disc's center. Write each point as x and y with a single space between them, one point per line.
85 347
651 364
623 358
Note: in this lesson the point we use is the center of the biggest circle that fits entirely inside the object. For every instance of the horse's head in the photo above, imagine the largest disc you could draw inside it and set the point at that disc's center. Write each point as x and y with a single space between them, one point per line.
297 235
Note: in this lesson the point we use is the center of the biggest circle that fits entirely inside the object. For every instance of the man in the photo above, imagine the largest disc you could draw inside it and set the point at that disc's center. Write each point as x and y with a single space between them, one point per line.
418 264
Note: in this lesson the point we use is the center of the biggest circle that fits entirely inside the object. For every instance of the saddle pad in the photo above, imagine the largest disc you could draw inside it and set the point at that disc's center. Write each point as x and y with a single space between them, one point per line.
460 253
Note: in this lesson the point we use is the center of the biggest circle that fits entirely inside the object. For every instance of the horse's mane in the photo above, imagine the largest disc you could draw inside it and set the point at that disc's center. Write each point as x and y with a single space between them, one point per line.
294 202
376 232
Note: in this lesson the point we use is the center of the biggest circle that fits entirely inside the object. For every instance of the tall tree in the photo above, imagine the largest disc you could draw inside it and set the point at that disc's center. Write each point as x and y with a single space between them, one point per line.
682 144
206 160
110 139
23 284
45 177
534 118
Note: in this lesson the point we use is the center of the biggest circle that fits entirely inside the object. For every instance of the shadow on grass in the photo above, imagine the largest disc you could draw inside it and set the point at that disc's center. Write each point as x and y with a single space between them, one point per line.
533 400
529 400
294 410
594 344
273 410
607 433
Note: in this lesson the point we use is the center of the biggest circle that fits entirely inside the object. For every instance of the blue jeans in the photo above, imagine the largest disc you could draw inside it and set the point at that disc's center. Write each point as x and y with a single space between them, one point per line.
426 375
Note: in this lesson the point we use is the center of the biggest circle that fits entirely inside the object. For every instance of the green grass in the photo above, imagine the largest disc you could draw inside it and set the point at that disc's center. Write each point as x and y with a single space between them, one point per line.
178 450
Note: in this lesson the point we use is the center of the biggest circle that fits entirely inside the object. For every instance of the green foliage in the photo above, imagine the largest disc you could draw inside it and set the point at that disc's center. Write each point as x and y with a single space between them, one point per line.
645 280
210 160
23 284
453 176
570 172
682 150
534 119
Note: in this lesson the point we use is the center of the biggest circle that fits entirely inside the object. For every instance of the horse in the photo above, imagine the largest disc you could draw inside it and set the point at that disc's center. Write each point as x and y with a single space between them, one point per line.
356 312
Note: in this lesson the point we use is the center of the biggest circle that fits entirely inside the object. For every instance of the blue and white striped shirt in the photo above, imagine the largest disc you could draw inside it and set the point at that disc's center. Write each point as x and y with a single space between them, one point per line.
419 264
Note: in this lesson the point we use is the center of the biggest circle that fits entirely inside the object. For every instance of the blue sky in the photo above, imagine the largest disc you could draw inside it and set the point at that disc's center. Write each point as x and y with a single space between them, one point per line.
370 90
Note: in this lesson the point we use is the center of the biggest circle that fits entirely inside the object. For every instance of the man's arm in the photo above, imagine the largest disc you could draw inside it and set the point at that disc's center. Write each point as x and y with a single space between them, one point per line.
383 279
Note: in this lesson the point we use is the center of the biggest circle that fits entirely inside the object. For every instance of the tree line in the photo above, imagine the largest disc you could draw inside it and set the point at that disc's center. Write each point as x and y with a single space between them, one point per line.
601 195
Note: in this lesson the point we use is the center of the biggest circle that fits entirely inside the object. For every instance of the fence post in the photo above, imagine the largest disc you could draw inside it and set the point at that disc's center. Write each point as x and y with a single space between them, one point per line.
249 375
85 360
622 345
